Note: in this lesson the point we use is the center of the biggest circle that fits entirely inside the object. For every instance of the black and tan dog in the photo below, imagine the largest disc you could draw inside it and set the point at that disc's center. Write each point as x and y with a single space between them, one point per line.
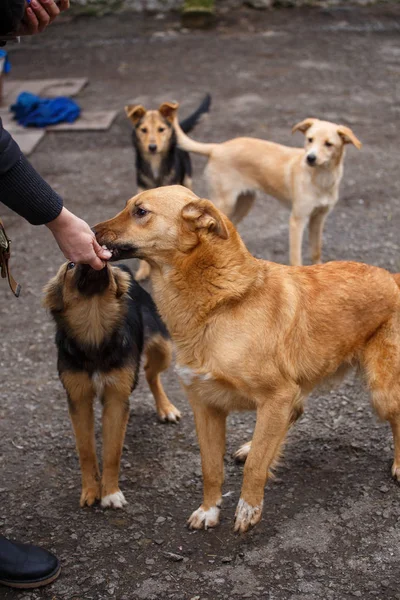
104 321
159 161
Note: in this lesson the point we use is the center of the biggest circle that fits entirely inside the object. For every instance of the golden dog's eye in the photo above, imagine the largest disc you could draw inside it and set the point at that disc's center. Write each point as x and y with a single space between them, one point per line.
144 130
70 266
310 140
161 129
140 212
328 144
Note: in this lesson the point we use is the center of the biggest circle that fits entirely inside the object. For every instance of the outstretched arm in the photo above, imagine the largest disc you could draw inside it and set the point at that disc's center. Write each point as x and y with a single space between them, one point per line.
24 191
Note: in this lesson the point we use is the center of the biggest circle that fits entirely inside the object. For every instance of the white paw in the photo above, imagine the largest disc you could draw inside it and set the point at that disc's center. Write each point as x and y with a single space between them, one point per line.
116 500
172 415
241 454
203 519
247 516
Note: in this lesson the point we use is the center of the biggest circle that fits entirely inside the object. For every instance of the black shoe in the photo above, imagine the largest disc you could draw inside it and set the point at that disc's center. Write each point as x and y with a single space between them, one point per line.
26 566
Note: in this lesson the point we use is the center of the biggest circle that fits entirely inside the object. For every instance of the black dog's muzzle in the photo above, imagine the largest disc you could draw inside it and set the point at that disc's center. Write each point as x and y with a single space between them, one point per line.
90 282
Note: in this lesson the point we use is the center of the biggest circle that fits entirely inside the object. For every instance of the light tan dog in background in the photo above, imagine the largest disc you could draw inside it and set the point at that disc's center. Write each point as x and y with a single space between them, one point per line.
305 179
252 334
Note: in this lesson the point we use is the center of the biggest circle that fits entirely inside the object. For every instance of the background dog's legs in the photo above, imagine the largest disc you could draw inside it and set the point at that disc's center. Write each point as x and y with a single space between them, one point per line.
188 182
158 354
143 271
243 204
115 418
273 421
225 202
316 227
382 367
211 430
81 395
220 192
296 231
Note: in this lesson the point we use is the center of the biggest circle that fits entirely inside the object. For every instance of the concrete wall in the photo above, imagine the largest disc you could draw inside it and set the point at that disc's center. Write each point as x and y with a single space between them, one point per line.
102 6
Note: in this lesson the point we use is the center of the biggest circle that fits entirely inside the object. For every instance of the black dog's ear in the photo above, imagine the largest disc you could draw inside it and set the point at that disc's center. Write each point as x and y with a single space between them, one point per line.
53 296
123 281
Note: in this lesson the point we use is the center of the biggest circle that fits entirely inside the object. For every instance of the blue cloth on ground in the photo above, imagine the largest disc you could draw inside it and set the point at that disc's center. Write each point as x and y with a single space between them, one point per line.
33 111
7 64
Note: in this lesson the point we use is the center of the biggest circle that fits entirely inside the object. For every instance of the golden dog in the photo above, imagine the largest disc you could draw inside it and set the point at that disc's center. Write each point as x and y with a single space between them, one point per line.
252 334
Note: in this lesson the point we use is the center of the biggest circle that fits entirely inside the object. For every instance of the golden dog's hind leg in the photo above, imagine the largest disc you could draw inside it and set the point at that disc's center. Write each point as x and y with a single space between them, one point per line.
115 401
273 422
158 352
242 453
211 431
316 227
81 395
395 425
381 362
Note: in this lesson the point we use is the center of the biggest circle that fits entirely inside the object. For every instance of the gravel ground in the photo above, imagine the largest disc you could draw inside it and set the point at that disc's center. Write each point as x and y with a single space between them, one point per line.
331 519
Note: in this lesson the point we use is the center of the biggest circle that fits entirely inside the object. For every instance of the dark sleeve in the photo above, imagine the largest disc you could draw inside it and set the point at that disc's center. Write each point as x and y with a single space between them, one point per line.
21 188
11 13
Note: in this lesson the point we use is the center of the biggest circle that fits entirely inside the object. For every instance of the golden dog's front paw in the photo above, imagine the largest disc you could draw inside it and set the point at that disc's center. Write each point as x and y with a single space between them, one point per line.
203 519
169 414
89 495
115 500
241 454
247 516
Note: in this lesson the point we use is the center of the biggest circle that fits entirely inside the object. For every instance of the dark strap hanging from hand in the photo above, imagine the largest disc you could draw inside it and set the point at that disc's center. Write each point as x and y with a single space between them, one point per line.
4 258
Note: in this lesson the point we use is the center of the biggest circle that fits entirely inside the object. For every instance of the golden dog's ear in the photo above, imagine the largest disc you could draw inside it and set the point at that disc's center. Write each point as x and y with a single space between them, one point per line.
348 136
53 296
304 125
135 112
168 110
202 215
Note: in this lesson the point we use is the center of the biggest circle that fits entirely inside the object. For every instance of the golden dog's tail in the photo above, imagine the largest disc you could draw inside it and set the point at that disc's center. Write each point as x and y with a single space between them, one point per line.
186 143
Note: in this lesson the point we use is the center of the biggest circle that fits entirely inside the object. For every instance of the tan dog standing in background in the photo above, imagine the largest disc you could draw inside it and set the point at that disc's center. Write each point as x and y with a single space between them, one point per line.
305 179
252 334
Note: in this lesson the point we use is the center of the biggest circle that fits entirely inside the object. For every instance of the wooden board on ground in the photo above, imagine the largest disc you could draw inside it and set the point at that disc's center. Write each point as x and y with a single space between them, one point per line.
48 88
96 120
27 139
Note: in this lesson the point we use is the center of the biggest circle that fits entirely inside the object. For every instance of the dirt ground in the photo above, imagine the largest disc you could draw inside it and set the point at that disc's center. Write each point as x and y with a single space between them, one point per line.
331 520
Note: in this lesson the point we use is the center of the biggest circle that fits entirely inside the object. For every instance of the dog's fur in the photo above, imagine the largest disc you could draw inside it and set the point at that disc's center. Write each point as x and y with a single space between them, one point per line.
104 321
307 180
159 161
252 334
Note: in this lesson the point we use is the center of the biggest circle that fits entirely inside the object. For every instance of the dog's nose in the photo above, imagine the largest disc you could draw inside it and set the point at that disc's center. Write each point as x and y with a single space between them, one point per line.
152 147
311 158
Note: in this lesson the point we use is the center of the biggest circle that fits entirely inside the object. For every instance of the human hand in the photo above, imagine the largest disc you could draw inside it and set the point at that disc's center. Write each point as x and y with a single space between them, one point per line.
39 14
77 241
